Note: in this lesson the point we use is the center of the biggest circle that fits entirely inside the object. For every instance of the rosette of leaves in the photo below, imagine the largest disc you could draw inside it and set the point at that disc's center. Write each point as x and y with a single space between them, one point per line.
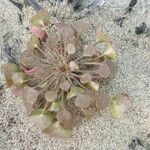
59 67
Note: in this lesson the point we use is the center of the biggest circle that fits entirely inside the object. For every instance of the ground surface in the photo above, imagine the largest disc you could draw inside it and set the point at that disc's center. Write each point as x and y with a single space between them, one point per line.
131 131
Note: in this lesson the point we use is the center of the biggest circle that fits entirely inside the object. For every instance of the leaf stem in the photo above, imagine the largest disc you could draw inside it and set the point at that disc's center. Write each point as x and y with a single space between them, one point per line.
44 80
80 84
52 51
91 63
46 105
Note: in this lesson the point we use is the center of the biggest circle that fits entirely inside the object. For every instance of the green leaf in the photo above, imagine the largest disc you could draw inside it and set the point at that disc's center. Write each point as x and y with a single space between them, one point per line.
74 91
8 82
58 130
56 105
119 104
18 79
94 85
51 96
41 118
101 37
8 70
41 18
110 53
34 42
113 108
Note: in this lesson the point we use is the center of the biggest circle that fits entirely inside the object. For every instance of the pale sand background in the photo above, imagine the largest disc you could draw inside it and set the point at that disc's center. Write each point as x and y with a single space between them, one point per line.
101 132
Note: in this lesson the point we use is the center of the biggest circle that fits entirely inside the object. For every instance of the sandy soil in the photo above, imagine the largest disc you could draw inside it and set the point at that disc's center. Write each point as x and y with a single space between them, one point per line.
133 76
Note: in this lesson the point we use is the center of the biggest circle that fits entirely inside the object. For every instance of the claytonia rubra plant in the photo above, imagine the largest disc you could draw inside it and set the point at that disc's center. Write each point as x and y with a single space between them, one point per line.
58 75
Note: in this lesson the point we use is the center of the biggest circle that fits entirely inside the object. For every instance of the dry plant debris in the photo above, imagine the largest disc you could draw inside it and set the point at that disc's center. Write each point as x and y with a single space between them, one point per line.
58 75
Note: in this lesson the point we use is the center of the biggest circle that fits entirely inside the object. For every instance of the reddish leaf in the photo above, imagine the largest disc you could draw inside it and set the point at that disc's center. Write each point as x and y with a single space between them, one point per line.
68 119
19 91
89 50
31 71
80 26
103 70
31 95
65 30
101 101
65 86
38 32
83 101
73 65
89 112
70 48
85 78
26 59
64 117
52 42
51 95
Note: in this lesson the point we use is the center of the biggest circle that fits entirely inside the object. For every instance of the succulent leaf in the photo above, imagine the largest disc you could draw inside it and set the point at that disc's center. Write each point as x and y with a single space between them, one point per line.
56 105
58 75
41 118
94 85
101 101
80 26
38 32
110 53
85 78
68 119
73 65
31 95
51 96
103 70
9 69
18 79
74 91
83 101
65 30
89 50
101 37
65 86
70 48
89 112
58 130
34 42
41 18
119 104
